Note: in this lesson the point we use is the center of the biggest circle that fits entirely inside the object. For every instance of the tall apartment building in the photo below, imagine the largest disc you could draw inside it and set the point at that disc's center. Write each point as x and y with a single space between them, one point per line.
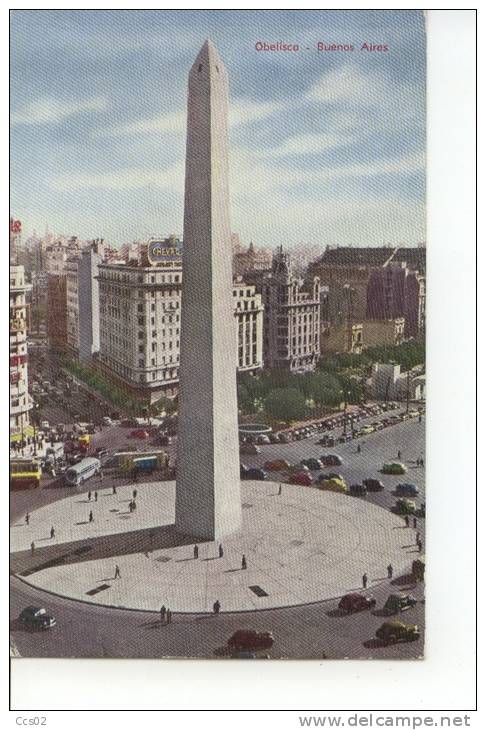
88 300
140 319
72 303
57 327
20 401
291 318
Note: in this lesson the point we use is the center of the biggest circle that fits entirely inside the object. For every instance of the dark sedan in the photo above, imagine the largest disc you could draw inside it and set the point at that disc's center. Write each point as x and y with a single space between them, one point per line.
35 617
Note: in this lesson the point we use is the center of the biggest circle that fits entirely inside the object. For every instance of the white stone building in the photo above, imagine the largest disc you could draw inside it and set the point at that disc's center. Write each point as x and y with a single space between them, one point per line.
20 401
72 303
139 315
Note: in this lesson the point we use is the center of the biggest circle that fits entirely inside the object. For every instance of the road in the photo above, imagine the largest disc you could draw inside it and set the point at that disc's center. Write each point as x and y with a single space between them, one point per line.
302 632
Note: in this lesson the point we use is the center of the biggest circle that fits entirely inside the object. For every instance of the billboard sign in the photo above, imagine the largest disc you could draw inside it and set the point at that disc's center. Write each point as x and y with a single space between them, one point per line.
165 250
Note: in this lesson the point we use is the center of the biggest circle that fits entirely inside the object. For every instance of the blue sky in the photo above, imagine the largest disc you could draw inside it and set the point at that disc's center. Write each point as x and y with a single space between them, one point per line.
326 147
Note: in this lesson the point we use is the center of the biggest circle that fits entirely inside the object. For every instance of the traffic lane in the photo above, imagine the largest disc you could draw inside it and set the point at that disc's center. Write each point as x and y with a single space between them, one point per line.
302 632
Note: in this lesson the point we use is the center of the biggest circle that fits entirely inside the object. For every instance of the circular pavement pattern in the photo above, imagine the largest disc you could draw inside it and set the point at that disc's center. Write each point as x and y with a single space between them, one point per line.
301 547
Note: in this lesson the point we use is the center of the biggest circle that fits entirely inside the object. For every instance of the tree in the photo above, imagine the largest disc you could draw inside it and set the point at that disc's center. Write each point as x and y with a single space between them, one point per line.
285 404
325 389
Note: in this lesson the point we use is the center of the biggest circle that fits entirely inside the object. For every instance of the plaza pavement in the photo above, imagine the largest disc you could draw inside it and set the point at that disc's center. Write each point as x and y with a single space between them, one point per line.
301 547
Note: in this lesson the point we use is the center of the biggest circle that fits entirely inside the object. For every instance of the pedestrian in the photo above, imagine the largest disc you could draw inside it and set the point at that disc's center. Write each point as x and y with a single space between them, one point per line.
418 462
117 572
422 463
358 448
220 551
163 611
414 523
130 506
100 475
407 520
134 494
399 454
169 616
420 418
419 545
216 607
114 489
196 552
32 548
134 505
96 496
279 490
390 571
53 532
89 496
91 517
27 518
243 562
364 580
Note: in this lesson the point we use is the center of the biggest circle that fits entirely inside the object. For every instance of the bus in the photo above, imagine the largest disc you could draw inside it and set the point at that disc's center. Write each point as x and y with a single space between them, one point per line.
127 460
25 473
79 473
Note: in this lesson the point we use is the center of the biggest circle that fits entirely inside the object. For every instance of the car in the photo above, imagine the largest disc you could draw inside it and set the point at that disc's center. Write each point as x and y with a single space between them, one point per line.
407 490
394 467
391 632
44 425
326 441
274 439
243 470
284 437
330 475
249 449
100 451
276 465
91 428
301 477
255 473
331 460
164 440
139 433
358 490
36 617
106 421
373 485
250 640
397 602
312 463
262 438
364 430
353 602
413 414
405 507
332 485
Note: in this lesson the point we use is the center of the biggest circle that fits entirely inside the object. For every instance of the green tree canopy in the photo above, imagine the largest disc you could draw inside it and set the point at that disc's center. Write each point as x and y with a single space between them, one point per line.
285 404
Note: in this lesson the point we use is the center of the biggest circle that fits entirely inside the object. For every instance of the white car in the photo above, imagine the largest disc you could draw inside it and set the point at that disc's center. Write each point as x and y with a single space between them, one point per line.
106 420
45 425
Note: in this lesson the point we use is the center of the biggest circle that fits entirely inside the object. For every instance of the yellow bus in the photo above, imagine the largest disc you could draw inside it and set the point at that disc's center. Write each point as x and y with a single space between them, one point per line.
24 473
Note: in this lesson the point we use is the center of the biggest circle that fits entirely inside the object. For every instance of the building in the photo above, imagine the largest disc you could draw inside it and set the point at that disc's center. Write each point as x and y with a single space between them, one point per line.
57 326
378 332
72 303
387 382
398 291
88 300
291 318
251 260
20 401
346 337
140 321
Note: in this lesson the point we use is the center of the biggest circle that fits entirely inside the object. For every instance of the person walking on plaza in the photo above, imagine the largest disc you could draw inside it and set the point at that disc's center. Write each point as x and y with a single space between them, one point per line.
134 494
390 571
163 611
279 490
130 506
407 520
27 518
220 551
89 496
364 580
216 607
419 545
96 496
399 454
417 538
358 449
169 616
196 552
100 475
32 547
243 562
117 572
114 489
91 516
53 532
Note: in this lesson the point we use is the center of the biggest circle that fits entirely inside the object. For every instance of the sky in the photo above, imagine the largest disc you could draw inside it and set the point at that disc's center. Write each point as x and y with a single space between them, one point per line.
325 147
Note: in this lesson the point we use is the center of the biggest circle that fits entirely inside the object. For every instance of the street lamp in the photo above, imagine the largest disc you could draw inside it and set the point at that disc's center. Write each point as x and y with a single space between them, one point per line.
346 394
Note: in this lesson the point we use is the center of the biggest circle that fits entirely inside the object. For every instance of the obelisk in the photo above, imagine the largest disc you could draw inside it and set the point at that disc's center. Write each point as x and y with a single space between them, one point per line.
208 504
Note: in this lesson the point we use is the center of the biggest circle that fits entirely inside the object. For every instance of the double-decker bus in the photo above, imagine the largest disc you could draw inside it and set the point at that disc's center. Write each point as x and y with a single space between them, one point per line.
25 473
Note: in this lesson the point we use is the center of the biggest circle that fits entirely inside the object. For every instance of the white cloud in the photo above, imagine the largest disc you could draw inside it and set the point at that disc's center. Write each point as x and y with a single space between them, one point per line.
48 110
350 84
162 123
243 111
128 179
305 144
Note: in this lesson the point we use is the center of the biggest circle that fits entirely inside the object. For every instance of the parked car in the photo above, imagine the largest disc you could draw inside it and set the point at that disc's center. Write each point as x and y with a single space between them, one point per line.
106 421
353 602
364 430
249 639
406 490
249 449
255 473
35 617
284 437
243 471
405 506
100 451
301 477
333 485
397 602
44 425
276 465
262 438
164 440
274 439
391 632
331 460
139 433
373 485
395 467
358 490
312 463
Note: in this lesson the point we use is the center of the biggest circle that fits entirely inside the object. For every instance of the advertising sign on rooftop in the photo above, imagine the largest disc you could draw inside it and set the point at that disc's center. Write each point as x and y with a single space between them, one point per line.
165 250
